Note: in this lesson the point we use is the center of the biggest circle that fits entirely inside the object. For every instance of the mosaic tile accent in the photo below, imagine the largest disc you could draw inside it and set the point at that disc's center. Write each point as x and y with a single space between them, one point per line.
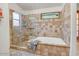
48 28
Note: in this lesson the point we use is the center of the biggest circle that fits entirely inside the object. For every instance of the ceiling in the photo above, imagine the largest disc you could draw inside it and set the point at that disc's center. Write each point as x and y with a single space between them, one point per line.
33 6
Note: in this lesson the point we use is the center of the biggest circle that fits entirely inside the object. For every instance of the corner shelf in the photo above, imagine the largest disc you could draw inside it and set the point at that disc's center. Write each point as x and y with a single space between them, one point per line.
30 28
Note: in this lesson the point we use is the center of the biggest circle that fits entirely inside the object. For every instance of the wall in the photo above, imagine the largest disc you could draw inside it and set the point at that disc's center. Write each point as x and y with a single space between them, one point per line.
44 28
73 42
14 36
69 26
40 27
66 16
4 30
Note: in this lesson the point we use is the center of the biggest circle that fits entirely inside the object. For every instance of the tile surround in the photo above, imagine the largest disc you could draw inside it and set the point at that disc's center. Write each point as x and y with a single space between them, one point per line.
49 28
52 50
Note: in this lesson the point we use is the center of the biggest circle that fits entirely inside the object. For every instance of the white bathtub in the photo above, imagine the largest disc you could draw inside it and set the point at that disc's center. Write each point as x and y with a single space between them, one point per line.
50 40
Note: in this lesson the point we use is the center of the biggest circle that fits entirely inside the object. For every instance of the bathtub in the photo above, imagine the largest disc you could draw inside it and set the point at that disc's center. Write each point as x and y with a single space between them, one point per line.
51 46
50 40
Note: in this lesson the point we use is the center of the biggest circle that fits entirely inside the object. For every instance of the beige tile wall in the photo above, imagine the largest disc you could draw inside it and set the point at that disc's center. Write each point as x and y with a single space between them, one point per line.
66 23
48 28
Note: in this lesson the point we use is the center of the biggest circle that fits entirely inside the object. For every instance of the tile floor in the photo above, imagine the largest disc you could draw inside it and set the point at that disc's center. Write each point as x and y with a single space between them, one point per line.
14 52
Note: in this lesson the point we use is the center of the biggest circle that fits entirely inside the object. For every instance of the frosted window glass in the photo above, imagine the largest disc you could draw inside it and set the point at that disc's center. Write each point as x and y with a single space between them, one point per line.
15 16
50 15
16 19
15 23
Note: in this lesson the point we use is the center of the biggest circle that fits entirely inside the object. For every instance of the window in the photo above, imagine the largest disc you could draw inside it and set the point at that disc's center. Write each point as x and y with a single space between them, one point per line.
50 15
16 19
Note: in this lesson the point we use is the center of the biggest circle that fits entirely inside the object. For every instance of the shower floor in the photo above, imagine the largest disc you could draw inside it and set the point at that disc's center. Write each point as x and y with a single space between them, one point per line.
14 52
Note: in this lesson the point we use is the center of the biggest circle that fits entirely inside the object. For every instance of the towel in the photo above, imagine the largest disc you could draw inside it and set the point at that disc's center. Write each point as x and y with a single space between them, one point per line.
33 44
